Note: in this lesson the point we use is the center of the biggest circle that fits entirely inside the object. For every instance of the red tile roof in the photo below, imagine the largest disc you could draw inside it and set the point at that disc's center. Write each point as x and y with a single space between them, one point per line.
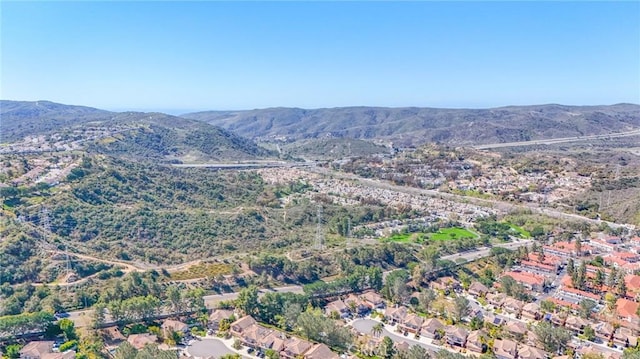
529 278
626 308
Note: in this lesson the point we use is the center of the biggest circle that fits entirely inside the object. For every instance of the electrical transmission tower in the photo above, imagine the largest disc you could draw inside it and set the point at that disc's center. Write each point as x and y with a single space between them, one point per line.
319 241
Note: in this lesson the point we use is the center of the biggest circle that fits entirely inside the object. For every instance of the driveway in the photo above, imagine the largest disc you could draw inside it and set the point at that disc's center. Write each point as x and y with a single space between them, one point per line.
364 326
207 348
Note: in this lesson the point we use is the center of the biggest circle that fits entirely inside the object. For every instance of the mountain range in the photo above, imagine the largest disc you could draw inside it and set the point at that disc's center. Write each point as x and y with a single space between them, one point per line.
415 126
217 132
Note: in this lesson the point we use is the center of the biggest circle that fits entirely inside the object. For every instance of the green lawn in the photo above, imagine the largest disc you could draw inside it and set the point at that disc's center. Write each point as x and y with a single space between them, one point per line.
521 231
400 238
446 234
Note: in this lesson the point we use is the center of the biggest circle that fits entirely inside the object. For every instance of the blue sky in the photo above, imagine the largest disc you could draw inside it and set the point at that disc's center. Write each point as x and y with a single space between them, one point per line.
182 56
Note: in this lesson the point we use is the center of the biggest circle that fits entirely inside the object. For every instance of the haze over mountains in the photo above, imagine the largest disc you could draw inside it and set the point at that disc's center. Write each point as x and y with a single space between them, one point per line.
415 126
403 126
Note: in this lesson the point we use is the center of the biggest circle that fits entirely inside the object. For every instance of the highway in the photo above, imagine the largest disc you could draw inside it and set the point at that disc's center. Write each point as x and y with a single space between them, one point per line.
506 206
553 141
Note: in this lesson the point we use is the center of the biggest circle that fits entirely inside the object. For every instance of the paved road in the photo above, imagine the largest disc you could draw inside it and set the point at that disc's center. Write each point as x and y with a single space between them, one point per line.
364 326
553 141
208 348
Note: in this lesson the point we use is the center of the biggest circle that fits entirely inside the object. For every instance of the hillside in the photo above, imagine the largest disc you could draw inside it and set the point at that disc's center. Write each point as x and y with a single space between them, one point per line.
412 125
132 135
23 118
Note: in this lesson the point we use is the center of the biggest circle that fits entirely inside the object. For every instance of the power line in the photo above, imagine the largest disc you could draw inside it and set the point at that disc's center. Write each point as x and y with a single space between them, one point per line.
319 240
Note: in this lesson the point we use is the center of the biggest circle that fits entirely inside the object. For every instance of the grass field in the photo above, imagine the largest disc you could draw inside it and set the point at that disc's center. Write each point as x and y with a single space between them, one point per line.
446 234
202 270
521 231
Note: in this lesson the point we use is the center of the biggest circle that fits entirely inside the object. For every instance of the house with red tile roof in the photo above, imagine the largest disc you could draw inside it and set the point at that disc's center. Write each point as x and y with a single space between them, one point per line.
529 280
539 267
626 309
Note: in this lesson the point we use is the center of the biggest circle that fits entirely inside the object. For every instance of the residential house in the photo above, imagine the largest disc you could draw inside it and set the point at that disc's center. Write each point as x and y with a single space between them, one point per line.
598 350
139 341
274 340
43 350
538 267
395 315
254 335
527 352
174 326
531 311
496 299
576 324
111 336
36 349
505 349
478 289
476 341
624 337
513 306
294 348
604 331
412 323
431 328
558 319
357 304
241 324
516 329
456 336
446 283
373 299
218 316
494 320
626 309
578 294
338 307
320 351
550 260
560 249
530 281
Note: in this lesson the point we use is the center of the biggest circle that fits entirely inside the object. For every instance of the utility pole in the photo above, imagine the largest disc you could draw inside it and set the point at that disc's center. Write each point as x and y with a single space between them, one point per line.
319 240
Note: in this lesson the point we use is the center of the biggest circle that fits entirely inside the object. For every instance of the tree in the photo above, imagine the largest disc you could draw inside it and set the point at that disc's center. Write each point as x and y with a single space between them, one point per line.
395 287
554 339
175 299
547 306
507 284
578 247
570 267
461 308
613 277
610 302
586 308
621 287
248 300
417 352
68 329
589 333
599 279
99 314
13 351
386 349
125 351
271 354
425 298
376 330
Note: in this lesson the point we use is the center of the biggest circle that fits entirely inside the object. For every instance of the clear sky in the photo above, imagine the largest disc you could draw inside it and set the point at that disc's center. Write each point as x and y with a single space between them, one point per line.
182 56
